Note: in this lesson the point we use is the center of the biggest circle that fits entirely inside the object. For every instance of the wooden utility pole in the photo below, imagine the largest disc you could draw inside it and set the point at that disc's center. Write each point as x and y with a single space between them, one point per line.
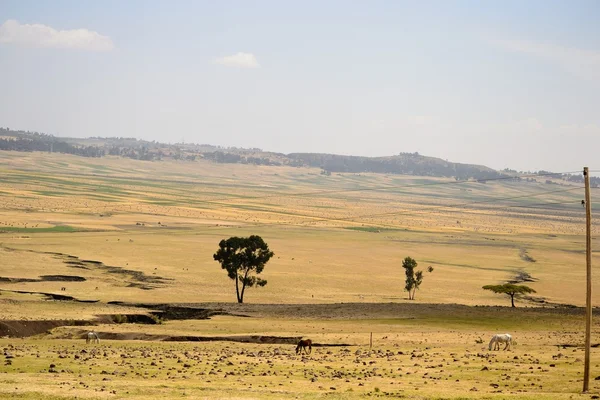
588 295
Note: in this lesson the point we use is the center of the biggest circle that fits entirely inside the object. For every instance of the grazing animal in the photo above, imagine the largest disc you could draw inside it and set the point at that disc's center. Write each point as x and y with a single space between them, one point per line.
63 289
92 337
302 345
497 339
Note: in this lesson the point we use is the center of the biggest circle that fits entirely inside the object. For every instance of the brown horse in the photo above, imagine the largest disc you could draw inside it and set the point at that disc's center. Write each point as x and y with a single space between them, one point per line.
302 345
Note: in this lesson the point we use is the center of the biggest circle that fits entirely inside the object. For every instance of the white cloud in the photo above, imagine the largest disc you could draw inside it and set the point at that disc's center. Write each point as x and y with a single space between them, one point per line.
580 62
240 60
37 35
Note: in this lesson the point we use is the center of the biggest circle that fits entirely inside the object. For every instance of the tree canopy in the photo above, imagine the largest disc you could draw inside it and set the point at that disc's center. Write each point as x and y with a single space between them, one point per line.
510 289
413 278
242 257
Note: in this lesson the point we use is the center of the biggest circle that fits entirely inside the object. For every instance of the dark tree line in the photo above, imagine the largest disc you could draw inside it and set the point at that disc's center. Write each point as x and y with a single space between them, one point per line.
594 180
136 153
234 158
55 146
404 163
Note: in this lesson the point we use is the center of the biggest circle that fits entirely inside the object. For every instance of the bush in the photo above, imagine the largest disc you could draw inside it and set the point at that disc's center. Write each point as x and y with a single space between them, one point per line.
119 319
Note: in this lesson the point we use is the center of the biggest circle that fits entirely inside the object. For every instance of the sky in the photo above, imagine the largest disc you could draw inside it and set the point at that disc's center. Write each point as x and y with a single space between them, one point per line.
507 84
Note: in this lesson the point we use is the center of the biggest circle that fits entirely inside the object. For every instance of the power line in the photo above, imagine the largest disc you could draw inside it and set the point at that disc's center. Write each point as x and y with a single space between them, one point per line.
535 206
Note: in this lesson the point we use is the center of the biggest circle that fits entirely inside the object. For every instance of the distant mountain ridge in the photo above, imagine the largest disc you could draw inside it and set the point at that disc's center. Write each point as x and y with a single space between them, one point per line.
403 163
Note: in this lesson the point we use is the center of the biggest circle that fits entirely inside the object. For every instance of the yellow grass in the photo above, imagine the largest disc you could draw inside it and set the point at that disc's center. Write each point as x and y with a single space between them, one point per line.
338 238
422 364
301 214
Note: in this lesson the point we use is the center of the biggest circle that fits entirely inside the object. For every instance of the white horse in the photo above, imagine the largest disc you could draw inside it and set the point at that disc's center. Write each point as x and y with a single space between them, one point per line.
92 337
497 339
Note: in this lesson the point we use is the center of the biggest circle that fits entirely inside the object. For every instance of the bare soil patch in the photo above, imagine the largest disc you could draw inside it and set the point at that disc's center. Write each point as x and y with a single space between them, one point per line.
18 280
154 313
31 328
376 310
256 339
525 256
45 278
170 312
139 279
51 296
63 278
260 339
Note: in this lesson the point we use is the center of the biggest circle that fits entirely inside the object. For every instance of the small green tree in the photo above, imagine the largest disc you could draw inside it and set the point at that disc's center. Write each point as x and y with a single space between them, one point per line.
510 289
241 257
413 278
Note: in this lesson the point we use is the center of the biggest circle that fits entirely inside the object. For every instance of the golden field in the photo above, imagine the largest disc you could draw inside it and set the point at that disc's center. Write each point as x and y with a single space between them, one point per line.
145 232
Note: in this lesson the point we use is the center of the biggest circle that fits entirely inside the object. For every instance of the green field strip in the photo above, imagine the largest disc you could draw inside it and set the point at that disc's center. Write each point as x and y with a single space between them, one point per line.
55 229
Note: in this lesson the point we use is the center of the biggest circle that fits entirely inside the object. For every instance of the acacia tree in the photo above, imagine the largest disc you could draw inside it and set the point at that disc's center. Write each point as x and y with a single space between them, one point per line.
510 289
241 258
413 279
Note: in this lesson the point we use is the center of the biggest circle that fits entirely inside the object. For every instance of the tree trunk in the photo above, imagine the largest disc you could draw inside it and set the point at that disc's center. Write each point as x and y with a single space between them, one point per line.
512 300
241 299
237 288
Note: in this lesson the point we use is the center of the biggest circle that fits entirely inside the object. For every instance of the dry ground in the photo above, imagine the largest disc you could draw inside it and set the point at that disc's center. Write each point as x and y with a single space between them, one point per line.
336 238
142 232
419 354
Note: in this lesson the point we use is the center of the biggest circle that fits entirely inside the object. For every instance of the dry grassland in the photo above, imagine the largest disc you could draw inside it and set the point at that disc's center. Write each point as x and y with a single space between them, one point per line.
437 359
144 232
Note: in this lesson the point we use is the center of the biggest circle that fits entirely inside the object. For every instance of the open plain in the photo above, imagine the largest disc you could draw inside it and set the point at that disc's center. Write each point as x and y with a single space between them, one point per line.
124 248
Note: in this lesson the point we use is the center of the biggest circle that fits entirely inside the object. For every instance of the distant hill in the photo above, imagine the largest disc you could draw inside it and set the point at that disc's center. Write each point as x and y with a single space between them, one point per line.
403 163
35 141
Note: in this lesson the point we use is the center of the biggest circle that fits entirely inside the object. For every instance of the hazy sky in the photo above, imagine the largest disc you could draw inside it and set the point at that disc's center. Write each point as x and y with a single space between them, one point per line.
506 83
